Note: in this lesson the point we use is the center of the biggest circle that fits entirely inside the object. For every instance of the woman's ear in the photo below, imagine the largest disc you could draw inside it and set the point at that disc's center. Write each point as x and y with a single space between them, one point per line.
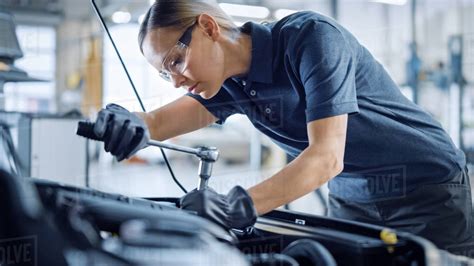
209 26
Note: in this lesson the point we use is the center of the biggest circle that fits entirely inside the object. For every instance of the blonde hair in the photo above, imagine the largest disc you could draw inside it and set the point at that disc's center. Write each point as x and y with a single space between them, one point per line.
182 14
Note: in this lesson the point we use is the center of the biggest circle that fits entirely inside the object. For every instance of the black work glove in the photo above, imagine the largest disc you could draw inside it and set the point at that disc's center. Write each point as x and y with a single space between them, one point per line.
234 210
123 133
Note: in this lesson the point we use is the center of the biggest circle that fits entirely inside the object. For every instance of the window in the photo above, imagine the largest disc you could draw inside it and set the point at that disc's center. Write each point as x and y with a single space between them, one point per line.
39 61
153 90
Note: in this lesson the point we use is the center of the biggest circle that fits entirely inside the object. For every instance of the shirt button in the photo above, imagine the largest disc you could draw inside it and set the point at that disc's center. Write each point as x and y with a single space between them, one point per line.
253 92
268 110
244 83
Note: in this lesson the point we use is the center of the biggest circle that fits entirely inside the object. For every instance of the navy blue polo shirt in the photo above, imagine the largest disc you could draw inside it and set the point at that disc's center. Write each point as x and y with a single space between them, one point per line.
307 67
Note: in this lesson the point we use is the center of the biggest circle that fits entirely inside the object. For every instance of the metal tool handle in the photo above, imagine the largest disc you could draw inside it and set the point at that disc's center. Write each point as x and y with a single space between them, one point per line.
207 155
86 129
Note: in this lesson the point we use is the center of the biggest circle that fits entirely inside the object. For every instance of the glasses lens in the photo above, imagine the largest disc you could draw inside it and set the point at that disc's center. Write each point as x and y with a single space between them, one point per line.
165 75
175 61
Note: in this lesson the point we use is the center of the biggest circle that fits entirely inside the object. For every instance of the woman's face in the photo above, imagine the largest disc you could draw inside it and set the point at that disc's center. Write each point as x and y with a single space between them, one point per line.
203 73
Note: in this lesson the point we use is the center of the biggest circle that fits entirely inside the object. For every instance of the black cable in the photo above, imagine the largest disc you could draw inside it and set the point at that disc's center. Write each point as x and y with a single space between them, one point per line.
171 171
134 88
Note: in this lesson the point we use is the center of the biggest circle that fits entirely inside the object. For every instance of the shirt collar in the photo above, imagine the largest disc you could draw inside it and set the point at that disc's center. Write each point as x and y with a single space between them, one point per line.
261 68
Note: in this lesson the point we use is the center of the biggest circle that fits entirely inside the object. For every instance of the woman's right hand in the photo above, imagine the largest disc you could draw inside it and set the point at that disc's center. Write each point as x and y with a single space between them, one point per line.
124 133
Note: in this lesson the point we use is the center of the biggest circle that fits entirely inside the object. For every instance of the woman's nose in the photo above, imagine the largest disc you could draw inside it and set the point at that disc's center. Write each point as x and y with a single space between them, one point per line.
178 80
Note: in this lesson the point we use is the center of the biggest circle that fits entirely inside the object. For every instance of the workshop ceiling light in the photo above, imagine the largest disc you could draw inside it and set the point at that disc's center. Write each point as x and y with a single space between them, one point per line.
281 13
391 2
121 17
245 10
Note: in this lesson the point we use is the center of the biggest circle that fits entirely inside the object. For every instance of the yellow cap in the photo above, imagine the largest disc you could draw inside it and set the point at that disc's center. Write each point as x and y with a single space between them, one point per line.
388 237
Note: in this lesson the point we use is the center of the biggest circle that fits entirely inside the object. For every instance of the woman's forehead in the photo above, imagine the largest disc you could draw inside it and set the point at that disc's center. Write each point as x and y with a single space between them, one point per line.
162 39
159 41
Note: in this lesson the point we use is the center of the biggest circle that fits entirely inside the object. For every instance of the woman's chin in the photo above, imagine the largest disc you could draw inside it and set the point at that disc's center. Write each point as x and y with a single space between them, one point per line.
208 94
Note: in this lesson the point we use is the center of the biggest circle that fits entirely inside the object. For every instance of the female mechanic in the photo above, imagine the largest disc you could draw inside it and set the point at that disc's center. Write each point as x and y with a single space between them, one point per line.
308 84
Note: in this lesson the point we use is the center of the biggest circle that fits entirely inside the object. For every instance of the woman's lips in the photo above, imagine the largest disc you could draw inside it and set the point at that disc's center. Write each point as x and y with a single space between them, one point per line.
191 89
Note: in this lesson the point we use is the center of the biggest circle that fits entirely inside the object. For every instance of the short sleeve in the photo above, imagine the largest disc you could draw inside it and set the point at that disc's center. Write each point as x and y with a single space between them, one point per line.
222 105
325 65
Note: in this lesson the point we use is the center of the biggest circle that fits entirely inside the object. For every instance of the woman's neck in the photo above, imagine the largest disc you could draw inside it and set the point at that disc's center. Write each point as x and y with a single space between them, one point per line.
238 56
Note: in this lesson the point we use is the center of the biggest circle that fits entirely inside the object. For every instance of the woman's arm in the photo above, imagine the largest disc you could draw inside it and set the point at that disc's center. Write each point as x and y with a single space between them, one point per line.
316 165
181 116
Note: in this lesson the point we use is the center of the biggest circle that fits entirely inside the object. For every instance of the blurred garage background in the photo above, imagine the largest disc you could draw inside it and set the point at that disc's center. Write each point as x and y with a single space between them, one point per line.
72 71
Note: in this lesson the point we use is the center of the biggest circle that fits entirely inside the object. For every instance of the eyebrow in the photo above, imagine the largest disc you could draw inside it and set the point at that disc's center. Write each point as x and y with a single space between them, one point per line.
185 39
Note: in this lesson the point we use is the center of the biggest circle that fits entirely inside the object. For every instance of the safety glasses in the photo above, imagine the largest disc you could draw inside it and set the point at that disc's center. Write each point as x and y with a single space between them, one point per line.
175 60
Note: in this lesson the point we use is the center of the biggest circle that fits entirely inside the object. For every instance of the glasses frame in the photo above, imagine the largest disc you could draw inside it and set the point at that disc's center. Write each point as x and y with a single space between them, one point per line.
183 43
